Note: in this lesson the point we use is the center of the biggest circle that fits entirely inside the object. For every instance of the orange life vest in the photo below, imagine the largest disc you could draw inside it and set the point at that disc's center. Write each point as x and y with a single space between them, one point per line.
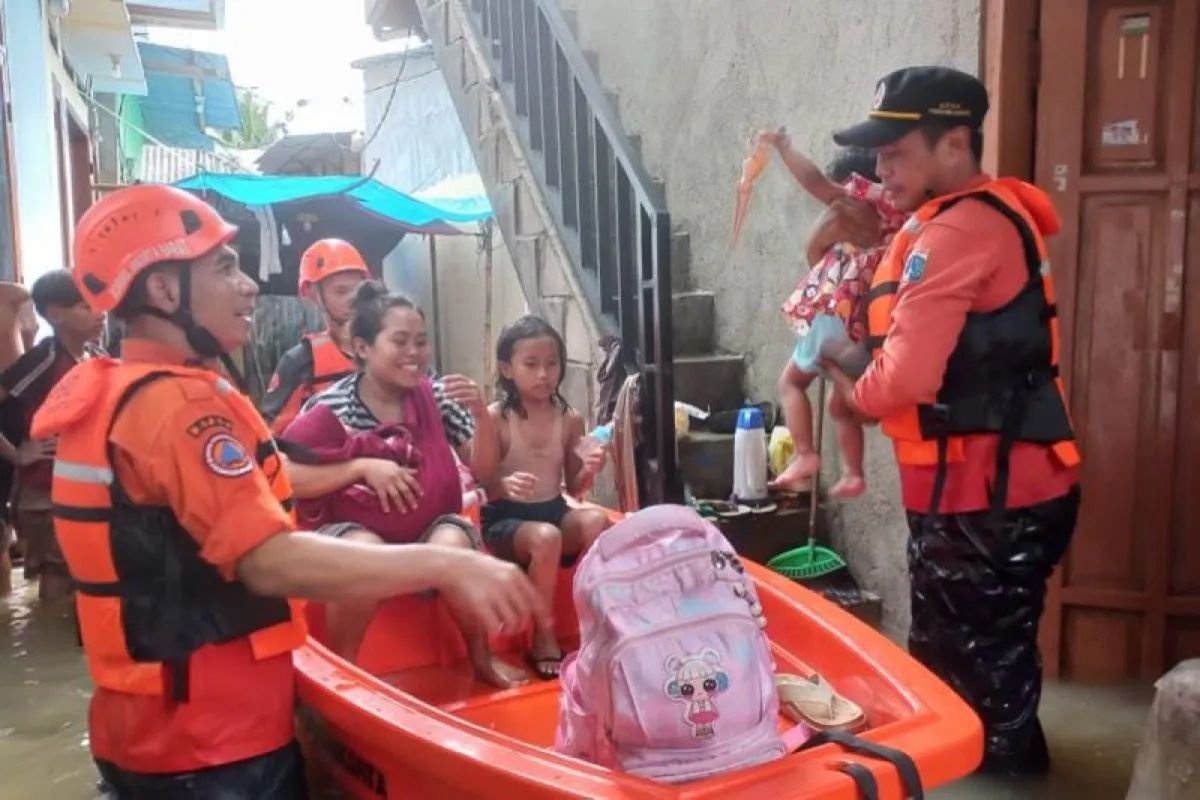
146 599
330 364
1003 376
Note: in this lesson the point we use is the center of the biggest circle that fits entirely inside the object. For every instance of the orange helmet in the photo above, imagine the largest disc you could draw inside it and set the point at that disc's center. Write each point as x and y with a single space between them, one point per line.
134 228
327 257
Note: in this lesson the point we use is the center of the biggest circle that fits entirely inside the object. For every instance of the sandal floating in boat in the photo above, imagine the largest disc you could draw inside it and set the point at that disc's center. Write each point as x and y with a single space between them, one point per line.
813 701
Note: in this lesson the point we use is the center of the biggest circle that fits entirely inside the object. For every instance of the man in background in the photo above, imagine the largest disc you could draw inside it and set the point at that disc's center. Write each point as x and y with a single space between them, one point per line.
18 327
23 388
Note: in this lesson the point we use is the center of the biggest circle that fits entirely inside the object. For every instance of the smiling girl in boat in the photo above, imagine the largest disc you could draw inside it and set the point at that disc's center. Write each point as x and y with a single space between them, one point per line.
540 436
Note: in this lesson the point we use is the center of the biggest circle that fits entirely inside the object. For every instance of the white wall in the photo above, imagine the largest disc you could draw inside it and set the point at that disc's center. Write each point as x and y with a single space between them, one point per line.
694 78
421 146
35 158
422 142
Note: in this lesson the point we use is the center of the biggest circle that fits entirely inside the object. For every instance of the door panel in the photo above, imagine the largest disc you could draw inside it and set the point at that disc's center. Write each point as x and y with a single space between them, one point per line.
1105 646
1114 379
1118 107
1124 112
1185 520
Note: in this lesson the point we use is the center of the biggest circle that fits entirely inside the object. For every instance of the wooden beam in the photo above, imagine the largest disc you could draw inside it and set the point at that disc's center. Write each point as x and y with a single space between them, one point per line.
1010 56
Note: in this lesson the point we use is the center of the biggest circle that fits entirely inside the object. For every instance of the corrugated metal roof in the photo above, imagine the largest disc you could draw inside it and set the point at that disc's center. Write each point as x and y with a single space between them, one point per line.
171 164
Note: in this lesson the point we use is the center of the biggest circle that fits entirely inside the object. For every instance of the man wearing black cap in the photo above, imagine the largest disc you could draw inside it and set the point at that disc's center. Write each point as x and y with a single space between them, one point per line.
964 380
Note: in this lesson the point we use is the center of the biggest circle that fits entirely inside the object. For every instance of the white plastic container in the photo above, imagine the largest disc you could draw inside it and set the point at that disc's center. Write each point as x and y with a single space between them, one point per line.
750 456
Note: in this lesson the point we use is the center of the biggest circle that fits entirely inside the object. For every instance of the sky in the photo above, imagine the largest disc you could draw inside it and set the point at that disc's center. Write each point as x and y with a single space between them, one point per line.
287 56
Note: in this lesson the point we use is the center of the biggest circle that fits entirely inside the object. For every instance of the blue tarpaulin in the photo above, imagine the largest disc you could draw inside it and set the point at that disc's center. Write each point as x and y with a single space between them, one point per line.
373 196
176 80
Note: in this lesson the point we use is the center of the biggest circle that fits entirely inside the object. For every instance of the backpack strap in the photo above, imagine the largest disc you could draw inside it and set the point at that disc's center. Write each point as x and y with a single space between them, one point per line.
904 765
797 737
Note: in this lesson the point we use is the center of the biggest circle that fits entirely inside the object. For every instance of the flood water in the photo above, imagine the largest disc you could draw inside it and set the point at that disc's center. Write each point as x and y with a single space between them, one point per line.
44 691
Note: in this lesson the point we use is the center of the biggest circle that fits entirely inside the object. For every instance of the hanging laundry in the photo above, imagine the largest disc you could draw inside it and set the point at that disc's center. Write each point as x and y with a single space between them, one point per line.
610 376
269 262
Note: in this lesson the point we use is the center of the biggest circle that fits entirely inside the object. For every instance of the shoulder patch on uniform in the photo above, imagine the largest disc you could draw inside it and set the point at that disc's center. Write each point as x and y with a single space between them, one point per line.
914 266
208 423
225 456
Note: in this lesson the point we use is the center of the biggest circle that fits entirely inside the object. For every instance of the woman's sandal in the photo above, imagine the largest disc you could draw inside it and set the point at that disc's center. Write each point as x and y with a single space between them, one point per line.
813 701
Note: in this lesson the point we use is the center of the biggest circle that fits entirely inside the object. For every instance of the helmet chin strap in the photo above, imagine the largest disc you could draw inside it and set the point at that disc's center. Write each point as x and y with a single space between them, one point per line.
199 338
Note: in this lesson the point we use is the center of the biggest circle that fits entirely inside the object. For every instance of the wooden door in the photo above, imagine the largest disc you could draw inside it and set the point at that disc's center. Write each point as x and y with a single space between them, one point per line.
1117 149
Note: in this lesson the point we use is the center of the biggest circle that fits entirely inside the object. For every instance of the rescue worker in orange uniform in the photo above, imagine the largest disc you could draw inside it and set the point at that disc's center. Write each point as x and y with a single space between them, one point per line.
171 506
330 272
965 381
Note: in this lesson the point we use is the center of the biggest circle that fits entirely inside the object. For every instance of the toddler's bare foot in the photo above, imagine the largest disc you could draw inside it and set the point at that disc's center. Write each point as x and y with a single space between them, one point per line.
499 674
797 474
849 487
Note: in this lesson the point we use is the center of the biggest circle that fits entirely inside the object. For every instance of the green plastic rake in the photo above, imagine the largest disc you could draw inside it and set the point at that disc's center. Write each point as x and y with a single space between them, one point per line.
810 561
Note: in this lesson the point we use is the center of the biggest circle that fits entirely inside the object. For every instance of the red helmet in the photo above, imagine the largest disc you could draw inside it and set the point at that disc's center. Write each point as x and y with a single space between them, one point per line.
135 228
326 257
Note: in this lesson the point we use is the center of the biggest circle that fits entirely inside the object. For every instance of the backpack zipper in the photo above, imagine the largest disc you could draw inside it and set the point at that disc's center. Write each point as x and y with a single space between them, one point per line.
625 576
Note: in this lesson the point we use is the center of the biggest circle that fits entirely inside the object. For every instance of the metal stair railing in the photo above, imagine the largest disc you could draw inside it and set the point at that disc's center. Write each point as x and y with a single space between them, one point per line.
618 225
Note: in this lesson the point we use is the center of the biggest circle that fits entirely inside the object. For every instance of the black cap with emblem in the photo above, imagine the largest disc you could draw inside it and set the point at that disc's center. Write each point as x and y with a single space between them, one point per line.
914 96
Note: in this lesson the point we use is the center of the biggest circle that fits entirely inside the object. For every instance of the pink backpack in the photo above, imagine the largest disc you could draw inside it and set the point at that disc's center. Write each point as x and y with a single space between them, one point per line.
673 679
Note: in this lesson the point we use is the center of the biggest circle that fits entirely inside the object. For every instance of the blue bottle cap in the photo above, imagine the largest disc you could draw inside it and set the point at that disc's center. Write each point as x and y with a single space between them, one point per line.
750 418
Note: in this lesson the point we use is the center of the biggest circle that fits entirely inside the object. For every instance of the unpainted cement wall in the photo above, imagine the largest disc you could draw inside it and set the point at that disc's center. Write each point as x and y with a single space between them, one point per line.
695 77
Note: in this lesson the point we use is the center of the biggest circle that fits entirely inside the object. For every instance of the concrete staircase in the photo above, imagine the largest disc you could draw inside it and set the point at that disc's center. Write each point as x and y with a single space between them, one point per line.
546 253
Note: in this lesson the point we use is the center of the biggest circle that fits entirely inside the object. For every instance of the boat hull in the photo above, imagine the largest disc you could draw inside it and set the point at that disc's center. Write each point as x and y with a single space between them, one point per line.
410 722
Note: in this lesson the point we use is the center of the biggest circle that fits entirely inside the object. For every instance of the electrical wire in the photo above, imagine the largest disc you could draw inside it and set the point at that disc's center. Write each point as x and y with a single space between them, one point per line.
389 84
387 108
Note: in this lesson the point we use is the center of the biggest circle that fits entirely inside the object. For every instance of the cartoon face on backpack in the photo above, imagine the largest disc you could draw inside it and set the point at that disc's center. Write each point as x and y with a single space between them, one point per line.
696 680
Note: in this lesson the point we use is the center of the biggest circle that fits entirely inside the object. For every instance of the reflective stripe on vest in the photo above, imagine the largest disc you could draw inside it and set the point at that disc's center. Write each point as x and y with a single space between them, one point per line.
83 493
903 427
82 473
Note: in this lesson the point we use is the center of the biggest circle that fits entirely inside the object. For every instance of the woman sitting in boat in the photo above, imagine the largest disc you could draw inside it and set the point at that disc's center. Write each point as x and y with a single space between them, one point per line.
397 440
544 451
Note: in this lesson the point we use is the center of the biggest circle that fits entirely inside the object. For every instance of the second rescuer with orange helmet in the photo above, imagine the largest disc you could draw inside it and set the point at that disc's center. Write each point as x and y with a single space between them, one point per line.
171 505
330 272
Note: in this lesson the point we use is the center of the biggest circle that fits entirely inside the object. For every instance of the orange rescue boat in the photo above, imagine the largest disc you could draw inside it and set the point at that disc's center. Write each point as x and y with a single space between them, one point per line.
409 720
